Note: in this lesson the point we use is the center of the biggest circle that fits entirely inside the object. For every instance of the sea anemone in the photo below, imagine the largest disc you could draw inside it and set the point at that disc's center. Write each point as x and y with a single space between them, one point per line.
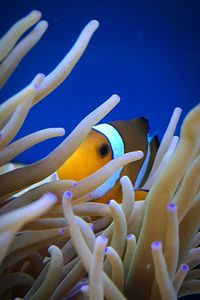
54 242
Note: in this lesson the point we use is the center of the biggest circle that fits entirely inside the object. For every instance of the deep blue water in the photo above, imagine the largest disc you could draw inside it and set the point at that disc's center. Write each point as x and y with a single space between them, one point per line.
148 52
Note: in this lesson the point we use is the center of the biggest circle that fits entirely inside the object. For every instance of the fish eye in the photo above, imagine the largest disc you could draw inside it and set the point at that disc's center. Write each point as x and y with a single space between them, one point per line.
103 150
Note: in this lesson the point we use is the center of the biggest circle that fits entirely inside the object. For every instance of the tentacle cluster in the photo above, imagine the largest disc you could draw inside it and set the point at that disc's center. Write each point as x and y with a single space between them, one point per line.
54 242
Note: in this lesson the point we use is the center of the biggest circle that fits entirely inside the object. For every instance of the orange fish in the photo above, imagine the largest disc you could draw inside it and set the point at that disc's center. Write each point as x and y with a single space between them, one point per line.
106 142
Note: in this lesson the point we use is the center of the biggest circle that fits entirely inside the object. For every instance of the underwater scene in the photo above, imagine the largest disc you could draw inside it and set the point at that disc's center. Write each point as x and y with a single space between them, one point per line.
99 150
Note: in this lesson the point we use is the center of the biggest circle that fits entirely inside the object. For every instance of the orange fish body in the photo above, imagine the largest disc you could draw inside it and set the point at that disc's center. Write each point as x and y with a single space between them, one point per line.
104 143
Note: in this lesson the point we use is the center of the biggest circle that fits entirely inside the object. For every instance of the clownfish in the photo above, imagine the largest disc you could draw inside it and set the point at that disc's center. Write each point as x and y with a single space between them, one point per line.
106 142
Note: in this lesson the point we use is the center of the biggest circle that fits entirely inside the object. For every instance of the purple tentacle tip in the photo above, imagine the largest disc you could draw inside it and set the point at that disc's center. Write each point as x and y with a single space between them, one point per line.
62 231
67 194
184 267
171 207
129 236
75 184
156 244
106 250
92 226
84 288
36 86
108 203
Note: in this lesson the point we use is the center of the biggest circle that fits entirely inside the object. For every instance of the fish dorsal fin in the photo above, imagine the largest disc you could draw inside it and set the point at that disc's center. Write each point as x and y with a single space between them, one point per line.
142 123
135 136
154 145
134 133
